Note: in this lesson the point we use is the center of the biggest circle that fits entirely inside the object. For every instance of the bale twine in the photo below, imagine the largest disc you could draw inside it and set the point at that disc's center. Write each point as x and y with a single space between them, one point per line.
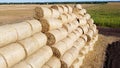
43 12
59 49
60 9
50 24
22 64
23 30
41 38
38 59
12 53
30 45
63 18
7 35
68 58
2 62
65 9
55 13
56 35
78 6
78 62
71 26
35 25
53 62
87 16
70 9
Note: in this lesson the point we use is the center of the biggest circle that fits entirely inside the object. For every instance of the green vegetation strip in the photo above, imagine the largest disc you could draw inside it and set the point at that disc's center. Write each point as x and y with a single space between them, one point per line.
106 15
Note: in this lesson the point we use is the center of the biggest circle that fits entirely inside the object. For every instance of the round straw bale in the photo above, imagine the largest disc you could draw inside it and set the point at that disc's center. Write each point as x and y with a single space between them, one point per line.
85 50
70 9
55 13
7 35
90 34
55 36
71 26
43 12
45 66
87 16
79 43
54 62
23 30
50 24
68 58
22 64
13 53
84 28
73 16
64 19
30 45
65 9
41 38
72 36
38 59
35 25
78 6
59 49
69 17
60 9
82 21
91 21
84 36
78 62
79 30
68 41
2 62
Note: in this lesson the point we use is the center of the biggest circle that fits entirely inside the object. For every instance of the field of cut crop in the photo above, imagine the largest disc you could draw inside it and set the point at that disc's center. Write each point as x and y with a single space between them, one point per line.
107 15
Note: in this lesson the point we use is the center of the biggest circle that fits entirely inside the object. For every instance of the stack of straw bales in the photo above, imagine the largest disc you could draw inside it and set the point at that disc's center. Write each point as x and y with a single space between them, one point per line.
59 37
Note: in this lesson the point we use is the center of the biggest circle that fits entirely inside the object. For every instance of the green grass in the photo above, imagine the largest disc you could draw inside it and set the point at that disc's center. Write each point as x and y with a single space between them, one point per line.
106 15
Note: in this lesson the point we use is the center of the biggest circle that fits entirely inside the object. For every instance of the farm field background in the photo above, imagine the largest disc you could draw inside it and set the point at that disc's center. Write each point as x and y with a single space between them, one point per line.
105 14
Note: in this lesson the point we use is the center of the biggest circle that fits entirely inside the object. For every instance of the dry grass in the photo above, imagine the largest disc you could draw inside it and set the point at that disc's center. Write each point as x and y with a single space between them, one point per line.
95 58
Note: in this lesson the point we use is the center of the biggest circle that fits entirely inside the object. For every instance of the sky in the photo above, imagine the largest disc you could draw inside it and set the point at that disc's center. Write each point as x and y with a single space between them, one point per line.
51 0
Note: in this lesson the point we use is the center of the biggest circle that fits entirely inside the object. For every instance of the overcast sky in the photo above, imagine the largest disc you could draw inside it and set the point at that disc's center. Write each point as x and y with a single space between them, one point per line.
51 0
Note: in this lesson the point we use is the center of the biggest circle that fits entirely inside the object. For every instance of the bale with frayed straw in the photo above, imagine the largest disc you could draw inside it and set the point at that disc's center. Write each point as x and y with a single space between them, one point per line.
43 12
50 24
56 35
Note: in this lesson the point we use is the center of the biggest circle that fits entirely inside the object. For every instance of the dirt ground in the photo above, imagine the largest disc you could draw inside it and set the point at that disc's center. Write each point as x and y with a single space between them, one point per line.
18 13
95 58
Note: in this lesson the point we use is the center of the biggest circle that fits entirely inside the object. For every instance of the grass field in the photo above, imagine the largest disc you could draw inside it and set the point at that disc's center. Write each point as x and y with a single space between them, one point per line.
107 15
